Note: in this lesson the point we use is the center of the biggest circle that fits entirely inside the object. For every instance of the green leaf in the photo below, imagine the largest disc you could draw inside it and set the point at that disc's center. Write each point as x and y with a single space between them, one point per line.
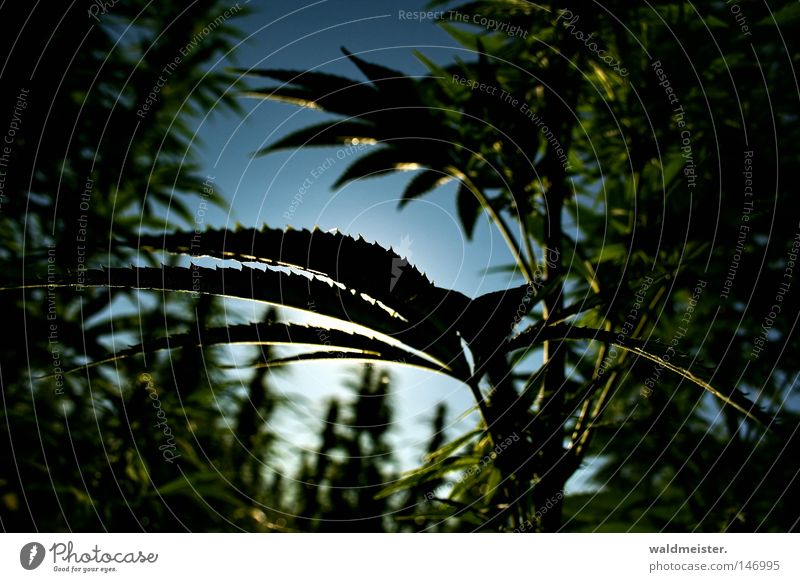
274 333
786 16
373 164
329 133
423 183
318 90
426 474
198 485
332 254
492 43
733 398
378 73
452 447
469 208
277 288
